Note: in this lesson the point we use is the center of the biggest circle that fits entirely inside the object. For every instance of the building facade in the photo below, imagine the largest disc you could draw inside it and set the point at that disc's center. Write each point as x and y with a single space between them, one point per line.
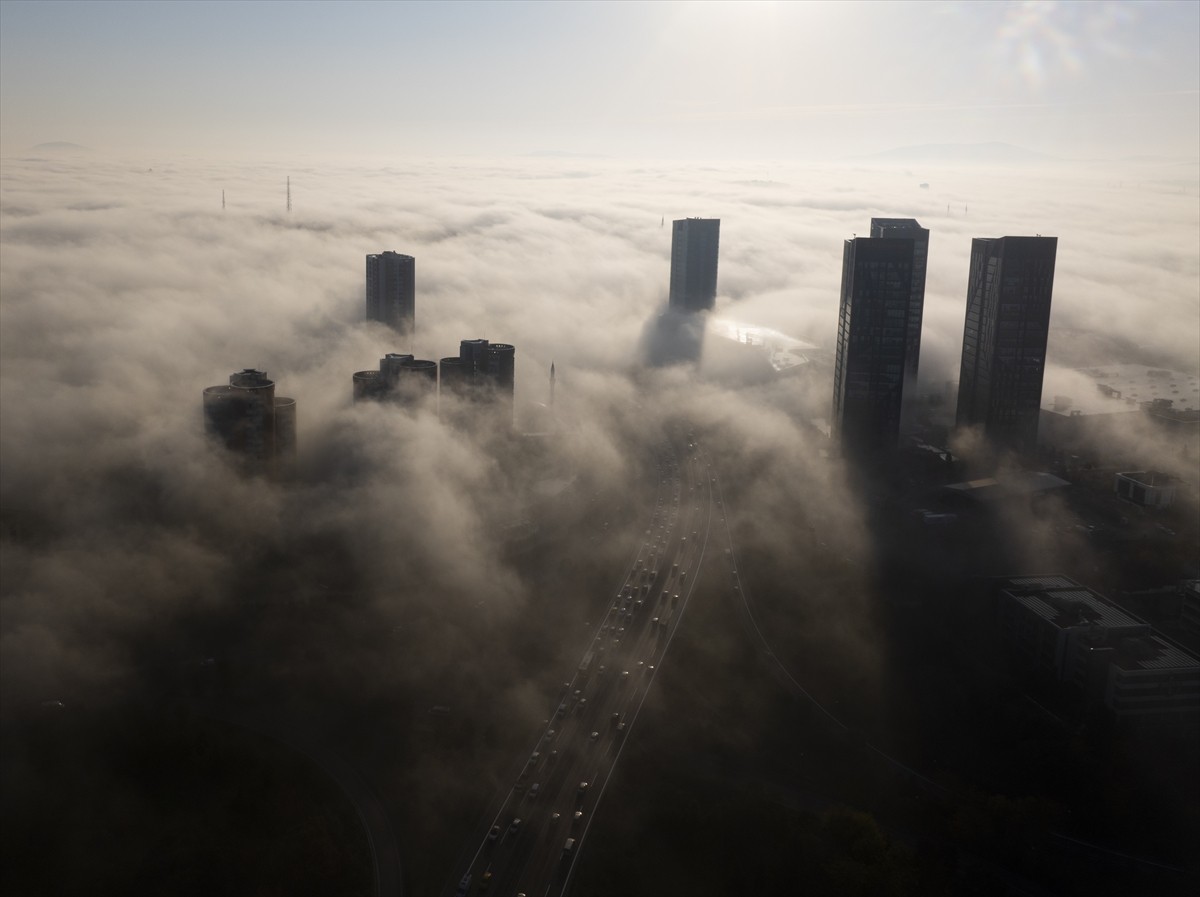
1004 338
694 247
868 379
391 290
252 423
910 229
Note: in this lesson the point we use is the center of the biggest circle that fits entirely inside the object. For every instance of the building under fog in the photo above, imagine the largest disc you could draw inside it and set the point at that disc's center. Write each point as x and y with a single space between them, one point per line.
478 382
482 380
868 378
1070 634
401 379
391 290
694 245
910 229
1004 338
250 421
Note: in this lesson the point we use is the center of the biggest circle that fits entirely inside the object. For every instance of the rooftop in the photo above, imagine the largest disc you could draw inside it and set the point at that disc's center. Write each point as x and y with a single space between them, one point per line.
1113 388
1149 652
1066 604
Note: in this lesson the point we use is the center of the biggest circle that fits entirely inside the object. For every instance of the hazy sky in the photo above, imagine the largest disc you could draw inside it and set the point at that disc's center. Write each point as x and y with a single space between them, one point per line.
662 79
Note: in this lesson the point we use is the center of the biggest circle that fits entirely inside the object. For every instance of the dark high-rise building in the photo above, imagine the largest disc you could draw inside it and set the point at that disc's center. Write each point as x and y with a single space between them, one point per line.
248 419
694 244
481 377
868 379
391 290
1004 338
401 378
498 376
910 229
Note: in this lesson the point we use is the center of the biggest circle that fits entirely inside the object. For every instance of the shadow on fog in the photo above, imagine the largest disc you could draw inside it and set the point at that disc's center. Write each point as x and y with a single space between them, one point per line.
673 337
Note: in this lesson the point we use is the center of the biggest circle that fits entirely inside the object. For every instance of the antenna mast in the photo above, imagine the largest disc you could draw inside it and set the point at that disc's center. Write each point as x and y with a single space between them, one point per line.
289 193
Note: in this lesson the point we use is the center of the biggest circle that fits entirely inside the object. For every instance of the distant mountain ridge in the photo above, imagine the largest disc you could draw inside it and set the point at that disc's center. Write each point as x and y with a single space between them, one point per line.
61 146
991 153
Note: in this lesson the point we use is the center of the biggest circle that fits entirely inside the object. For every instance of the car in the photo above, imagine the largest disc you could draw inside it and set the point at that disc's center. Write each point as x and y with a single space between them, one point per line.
485 880
594 736
533 790
494 833
583 787
625 675
568 846
533 758
552 757
554 817
464 886
516 825
577 817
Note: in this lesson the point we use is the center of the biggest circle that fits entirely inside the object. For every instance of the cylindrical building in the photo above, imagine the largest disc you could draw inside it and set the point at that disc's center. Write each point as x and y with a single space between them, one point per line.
389 368
245 416
417 381
368 386
285 429
455 376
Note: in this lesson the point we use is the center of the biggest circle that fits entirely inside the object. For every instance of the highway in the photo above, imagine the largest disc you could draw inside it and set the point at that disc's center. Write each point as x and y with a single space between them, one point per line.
531 838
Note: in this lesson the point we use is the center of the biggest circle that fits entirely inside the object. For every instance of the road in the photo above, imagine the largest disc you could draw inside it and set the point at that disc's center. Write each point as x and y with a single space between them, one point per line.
530 841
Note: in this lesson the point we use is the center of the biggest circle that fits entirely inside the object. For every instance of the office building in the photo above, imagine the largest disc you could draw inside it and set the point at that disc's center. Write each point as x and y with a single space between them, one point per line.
250 421
1067 633
1004 338
910 229
391 290
401 378
481 380
694 245
868 385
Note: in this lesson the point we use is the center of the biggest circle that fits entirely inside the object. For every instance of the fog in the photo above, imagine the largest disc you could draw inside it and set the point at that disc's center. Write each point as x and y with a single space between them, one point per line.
125 289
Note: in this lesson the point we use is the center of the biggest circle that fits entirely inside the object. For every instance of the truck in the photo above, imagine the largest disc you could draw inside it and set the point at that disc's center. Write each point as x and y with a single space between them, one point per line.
585 665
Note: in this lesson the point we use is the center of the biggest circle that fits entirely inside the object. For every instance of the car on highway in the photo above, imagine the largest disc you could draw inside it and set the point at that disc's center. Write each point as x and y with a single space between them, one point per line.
594 736
494 833
583 787
516 825
533 790
568 847
485 880
464 886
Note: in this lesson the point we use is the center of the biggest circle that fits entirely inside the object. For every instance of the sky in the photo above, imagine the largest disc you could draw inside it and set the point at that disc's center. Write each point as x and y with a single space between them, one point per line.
728 80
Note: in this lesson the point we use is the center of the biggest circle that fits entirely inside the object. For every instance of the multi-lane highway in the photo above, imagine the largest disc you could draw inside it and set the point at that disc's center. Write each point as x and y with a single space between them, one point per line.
531 840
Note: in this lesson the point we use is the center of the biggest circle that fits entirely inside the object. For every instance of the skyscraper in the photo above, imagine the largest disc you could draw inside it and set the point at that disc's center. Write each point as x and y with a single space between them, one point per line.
868 379
249 420
391 290
910 229
694 244
1004 338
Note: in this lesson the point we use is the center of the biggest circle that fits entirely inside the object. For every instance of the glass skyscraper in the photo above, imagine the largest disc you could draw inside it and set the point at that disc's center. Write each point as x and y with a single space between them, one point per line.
694 245
1004 338
868 379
